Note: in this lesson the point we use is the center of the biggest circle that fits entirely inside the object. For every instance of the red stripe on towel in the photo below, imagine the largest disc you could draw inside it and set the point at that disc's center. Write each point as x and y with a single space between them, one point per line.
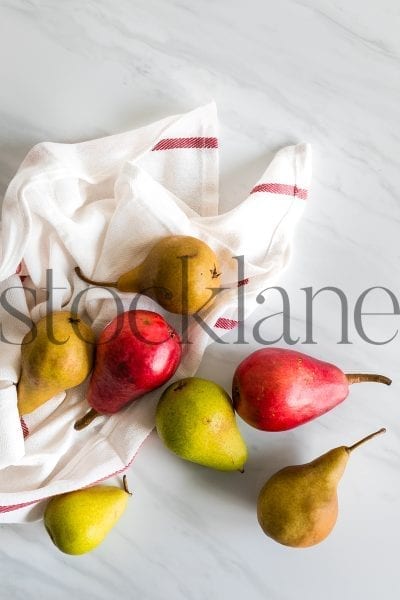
192 142
243 282
281 188
223 323
25 429
11 507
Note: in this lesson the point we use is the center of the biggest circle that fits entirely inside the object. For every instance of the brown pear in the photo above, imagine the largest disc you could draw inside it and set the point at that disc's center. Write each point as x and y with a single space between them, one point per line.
57 354
298 506
180 272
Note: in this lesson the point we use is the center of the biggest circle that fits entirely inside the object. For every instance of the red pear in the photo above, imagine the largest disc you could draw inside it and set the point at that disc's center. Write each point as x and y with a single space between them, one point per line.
136 353
276 389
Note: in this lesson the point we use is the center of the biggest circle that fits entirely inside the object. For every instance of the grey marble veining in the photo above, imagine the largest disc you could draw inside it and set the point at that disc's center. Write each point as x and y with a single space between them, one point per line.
281 72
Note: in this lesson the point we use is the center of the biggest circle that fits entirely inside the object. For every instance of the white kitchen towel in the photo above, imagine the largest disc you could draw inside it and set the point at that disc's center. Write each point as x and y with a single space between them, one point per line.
101 205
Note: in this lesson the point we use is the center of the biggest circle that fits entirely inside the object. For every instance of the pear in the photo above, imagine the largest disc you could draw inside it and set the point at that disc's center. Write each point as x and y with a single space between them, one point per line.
275 389
136 353
56 355
196 421
180 273
298 506
78 521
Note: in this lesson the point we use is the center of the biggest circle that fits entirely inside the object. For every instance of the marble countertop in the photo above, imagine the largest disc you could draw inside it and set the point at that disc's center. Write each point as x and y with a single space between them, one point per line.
321 71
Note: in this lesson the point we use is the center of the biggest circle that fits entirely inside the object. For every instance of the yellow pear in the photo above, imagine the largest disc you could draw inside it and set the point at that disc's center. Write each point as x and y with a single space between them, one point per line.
298 506
78 521
57 354
196 421
180 273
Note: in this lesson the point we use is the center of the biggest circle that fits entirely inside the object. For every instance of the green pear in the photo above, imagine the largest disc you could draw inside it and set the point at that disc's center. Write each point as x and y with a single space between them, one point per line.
78 521
180 272
56 355
196 421
298 506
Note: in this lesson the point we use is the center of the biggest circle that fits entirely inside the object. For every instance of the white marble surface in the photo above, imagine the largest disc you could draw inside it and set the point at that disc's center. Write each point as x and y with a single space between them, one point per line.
323 71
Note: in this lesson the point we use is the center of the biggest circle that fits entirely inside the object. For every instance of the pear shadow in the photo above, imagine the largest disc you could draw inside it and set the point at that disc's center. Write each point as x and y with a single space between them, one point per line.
243 487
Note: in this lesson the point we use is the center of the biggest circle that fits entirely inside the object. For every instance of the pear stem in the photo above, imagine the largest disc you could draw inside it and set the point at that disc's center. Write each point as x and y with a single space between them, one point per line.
92 282
361 377
366 439
86 419
125 483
